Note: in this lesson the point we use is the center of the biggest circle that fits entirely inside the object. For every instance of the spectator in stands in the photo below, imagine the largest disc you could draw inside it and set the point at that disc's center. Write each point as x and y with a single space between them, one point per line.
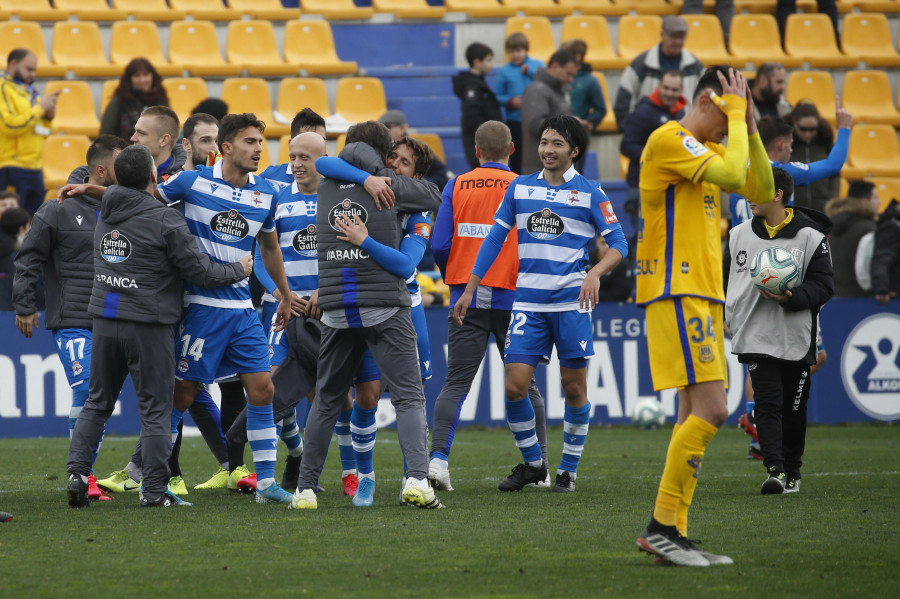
14 224
8 199
852 238
395 120
543 98
140 87
886 257
642 76
214 107
479 104
158 129
724 10
665 103
24 123
586 96
768 91
813 141
785 8
511 82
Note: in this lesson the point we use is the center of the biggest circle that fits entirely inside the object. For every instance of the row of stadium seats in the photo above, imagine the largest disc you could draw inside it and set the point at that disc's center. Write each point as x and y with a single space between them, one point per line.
753 38
193 48
219 10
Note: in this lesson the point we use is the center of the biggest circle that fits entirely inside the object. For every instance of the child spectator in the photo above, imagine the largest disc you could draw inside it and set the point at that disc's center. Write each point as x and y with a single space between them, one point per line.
775 335
512 80
479 104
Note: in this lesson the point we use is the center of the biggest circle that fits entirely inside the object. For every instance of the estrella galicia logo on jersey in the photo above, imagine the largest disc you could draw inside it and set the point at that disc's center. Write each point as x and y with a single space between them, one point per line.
348 209
706 354
545 225
229 226
305 242
694 147
870 366
609 215
115 247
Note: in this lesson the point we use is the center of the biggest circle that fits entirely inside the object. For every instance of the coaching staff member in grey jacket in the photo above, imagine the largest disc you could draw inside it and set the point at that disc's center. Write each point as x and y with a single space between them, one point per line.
142 251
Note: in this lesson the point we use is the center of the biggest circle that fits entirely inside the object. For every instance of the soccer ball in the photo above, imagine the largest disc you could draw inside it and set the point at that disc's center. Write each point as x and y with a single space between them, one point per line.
648 414
774 269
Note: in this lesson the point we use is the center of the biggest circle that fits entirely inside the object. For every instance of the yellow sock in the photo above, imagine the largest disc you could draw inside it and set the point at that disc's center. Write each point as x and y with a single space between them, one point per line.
683 461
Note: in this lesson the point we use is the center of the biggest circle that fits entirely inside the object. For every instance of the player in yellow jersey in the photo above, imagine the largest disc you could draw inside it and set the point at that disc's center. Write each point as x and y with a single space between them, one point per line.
679 280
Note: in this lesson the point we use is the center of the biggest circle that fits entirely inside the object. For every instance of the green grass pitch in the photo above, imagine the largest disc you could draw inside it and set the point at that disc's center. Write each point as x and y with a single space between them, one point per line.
837 538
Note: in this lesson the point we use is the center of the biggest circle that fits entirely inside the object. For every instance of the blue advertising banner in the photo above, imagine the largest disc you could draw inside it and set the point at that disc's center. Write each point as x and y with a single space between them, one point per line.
859 382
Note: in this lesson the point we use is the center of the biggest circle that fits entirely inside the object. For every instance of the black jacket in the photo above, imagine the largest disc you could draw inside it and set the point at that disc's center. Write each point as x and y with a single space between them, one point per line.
142 251
886 258
59 247
849 229
646 118
479 104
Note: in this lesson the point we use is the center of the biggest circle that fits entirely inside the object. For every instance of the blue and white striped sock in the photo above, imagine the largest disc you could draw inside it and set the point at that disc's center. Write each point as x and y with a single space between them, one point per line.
345 443
176 420
290 434
575 429
262 437
362 433
520 417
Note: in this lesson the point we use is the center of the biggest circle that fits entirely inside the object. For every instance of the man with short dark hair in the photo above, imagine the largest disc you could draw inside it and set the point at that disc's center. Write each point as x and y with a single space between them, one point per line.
643 74
142 253
199 140
479 104
24 125
395 120
545 97
281 176
768 91
59 249
158 129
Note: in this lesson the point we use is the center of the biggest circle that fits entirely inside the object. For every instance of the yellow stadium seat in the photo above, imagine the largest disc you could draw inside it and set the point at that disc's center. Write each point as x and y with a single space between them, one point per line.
595 32
608 124
409 9
149 10
888 189
755 6
252 45
868 36
867 96
77 45
360 99
97 10
873 151
479 9
638 33
651 7
434 142
885 6
75 111
25 34
62 155
212 10
309 45
755 38
184 94
340 143
272 10
32 10
811 37
284 149
706 42
596 7
195 46
816 86
109 88
542 8
539 33
251 94
296 93
140 39
336 9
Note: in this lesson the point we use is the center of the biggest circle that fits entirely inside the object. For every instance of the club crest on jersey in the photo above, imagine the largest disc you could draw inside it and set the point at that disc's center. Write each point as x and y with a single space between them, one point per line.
229 226
304 242
183 365
256 198
115 247
706 354
545 225
77 368
694 147
348 209
609 215
572 198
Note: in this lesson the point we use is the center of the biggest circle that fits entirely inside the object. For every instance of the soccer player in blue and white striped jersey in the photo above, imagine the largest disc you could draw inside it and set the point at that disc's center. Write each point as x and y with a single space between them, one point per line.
557 214
220 334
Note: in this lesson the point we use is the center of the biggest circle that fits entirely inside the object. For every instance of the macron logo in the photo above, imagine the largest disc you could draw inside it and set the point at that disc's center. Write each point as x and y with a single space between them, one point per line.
79 218
583 345
213 187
